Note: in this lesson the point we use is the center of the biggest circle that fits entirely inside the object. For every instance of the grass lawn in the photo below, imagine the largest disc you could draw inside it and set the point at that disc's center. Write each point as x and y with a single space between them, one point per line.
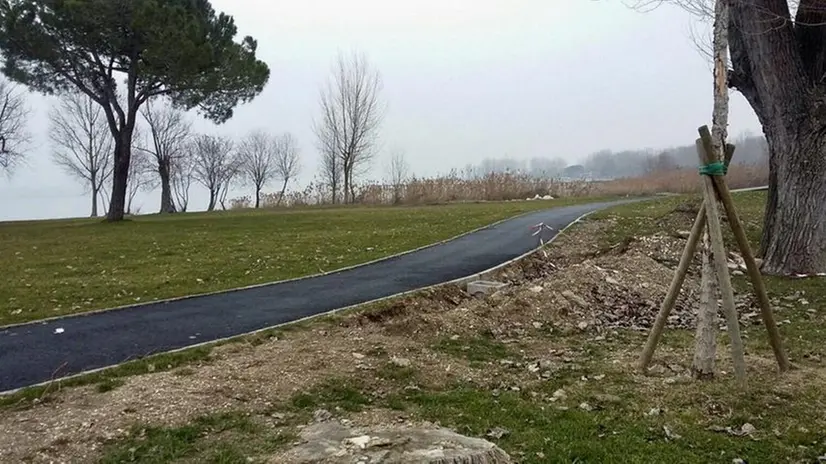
587 404
617 425
58 267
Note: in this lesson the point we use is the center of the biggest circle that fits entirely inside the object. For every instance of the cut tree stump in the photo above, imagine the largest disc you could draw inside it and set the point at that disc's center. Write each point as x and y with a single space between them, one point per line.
332 442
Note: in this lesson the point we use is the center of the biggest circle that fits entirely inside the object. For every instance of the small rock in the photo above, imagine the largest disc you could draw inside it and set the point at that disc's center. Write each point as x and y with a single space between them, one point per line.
537 325
537 289
748 429
401 362
612 280
670 433
737 272
358 356
657 369
582 325
737 461
322 415
559 395
683 233
497 433
574 298
586 407
361 442
607 398
454 337
654 412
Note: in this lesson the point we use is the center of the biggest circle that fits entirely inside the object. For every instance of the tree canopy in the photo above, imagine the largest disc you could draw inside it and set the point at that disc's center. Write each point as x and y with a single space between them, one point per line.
181 49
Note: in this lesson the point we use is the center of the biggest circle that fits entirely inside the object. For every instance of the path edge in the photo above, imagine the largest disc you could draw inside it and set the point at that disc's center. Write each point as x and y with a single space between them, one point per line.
267 284
457 281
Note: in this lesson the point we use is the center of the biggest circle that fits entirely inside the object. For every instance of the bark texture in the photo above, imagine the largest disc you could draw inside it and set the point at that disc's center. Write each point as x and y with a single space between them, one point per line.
778 65
167 205
705 340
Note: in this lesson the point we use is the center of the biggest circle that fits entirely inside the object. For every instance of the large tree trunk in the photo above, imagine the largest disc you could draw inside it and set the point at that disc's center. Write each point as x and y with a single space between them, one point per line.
794 237
120 177
167 205
257 198
778 68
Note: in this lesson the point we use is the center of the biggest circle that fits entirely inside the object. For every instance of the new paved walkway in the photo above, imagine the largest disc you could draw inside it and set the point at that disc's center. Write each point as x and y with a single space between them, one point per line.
32 353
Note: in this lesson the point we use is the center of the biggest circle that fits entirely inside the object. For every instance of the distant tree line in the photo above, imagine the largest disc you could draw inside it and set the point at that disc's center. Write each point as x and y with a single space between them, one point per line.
167 154
608 164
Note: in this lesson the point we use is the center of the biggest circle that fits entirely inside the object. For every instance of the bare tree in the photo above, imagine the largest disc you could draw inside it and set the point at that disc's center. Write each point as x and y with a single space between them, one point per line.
256 161
168 133
14 117
82 143
181 173
351 115
331 173
214 166
705 339
399 170
778 62
287 163
139 178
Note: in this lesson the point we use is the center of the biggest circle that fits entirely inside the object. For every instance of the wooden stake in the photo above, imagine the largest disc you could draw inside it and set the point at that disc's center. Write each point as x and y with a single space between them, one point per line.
678 279
751 266
721 266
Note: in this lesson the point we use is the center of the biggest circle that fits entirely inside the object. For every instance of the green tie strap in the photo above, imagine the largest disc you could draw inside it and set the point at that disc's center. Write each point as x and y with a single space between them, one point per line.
717 168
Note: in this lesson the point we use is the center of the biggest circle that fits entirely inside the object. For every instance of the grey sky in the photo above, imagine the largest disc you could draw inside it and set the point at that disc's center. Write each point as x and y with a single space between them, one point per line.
463 80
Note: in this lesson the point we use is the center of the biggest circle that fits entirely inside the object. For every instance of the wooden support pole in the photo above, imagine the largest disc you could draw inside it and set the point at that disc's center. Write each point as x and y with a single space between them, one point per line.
721 266
678 279
748 256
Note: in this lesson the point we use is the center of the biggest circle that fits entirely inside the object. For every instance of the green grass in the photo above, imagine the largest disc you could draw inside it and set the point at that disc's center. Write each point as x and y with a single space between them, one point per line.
59 267
478 350
790 426
225 438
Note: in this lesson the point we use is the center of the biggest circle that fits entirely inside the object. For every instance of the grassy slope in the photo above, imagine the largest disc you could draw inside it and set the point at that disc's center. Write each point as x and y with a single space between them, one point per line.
789 428
52 268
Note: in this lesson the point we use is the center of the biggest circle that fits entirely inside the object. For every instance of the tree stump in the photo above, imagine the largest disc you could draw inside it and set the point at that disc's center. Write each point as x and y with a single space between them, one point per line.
332 442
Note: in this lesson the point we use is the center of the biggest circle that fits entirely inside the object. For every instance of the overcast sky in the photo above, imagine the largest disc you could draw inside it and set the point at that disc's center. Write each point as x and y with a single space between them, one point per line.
463 80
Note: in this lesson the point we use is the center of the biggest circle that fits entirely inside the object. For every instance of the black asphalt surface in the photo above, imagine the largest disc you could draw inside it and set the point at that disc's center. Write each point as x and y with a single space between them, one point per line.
41 351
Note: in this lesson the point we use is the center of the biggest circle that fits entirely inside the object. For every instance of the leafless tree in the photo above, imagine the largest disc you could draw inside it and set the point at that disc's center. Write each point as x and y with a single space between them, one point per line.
331 173
777 61
351 116
182 170
287 162
14 117
256 161
168 132
81 142
399 170
140 177
215 166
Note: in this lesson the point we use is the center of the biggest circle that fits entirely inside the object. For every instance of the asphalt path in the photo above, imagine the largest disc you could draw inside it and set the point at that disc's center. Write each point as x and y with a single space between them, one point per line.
41 351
